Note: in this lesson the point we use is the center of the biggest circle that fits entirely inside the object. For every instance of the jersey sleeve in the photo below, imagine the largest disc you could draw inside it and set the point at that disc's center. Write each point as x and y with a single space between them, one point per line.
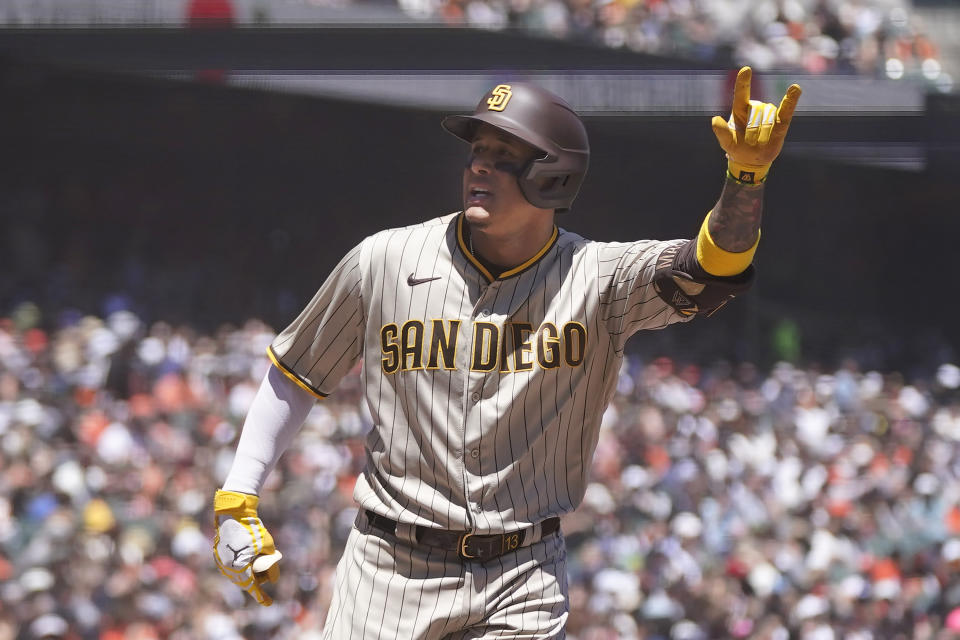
629 300
326 339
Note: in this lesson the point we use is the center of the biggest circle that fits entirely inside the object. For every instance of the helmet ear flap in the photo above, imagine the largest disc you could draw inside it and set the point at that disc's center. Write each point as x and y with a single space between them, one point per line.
553 181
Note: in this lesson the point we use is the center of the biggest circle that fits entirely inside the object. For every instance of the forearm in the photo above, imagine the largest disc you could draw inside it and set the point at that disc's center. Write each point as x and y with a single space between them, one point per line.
752 138
731 232
735 220
276 414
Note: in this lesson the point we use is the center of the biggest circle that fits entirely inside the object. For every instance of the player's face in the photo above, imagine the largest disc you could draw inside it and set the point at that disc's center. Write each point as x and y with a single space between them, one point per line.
491 196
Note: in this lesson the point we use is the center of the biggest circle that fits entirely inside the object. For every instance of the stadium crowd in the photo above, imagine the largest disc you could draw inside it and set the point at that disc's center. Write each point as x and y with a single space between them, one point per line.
870 37
816 36
727 501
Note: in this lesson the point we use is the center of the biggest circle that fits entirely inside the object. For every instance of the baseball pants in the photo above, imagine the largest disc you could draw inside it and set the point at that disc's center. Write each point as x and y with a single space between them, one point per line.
390 589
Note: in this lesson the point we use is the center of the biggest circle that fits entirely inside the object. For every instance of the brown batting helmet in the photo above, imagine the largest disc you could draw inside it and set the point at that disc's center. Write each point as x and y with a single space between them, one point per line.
542 120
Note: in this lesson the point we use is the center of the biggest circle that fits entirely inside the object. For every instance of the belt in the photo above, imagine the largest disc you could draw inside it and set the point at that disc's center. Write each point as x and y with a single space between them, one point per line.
469 546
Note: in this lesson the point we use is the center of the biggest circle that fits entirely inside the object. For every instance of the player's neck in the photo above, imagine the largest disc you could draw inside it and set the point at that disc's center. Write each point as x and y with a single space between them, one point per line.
499 253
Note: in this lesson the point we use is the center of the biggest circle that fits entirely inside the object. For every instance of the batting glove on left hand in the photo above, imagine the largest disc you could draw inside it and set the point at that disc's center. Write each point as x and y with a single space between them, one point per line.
754 133
243 548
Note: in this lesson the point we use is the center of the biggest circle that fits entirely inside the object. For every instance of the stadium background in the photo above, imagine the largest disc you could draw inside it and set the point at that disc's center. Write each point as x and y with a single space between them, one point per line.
177 178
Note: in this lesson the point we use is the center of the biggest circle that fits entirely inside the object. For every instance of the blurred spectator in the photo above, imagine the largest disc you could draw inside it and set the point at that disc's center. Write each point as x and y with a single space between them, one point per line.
876 37
210 13
726 501
870 37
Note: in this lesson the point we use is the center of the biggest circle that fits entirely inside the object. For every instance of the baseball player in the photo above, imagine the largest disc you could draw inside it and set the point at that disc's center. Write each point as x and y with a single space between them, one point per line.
491 341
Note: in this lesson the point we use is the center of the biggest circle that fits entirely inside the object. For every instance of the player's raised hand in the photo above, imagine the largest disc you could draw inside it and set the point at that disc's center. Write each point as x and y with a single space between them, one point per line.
243 548
754 133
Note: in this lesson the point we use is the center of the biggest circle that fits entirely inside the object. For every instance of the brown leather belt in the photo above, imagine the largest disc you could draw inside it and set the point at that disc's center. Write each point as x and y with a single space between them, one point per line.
467 545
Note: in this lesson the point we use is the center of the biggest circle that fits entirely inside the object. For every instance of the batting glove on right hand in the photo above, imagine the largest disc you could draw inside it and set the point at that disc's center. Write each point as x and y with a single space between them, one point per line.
243 548
754 134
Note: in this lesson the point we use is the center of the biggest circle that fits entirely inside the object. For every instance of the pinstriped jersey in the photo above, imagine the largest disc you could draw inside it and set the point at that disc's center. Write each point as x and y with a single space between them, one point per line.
486 393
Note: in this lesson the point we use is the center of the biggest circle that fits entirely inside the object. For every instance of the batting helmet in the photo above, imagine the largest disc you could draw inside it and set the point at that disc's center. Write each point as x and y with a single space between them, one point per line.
544 121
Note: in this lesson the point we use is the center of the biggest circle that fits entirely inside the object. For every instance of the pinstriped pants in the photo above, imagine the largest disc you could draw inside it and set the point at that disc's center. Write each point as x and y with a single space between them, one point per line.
388 589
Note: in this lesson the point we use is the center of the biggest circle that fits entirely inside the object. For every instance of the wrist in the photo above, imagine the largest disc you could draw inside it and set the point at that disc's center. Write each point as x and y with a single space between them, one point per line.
747 173
235 503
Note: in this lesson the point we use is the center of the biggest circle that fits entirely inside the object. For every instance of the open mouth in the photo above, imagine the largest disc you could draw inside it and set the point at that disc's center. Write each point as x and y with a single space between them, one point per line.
477 194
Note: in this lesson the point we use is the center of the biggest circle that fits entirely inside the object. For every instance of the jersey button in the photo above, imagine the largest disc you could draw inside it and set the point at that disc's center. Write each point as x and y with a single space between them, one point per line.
484 313
475 453
475 396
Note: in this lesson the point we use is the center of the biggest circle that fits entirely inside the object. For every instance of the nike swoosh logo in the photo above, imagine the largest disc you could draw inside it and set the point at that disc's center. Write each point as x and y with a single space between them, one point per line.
415 281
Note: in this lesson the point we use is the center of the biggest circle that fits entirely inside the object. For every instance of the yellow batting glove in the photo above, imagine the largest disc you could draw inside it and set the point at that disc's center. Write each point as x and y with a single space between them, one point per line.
243 548
754 133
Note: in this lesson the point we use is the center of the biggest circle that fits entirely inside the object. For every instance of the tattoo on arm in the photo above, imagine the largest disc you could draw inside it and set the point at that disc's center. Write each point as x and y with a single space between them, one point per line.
735 220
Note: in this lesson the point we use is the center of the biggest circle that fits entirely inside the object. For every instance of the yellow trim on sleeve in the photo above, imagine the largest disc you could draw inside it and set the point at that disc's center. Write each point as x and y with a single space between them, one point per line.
717 261
290 374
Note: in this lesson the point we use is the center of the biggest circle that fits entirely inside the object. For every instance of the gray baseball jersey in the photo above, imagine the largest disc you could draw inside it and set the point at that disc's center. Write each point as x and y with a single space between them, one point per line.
486 393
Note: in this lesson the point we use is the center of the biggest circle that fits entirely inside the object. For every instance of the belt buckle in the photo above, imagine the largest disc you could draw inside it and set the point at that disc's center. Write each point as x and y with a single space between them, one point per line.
462 544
